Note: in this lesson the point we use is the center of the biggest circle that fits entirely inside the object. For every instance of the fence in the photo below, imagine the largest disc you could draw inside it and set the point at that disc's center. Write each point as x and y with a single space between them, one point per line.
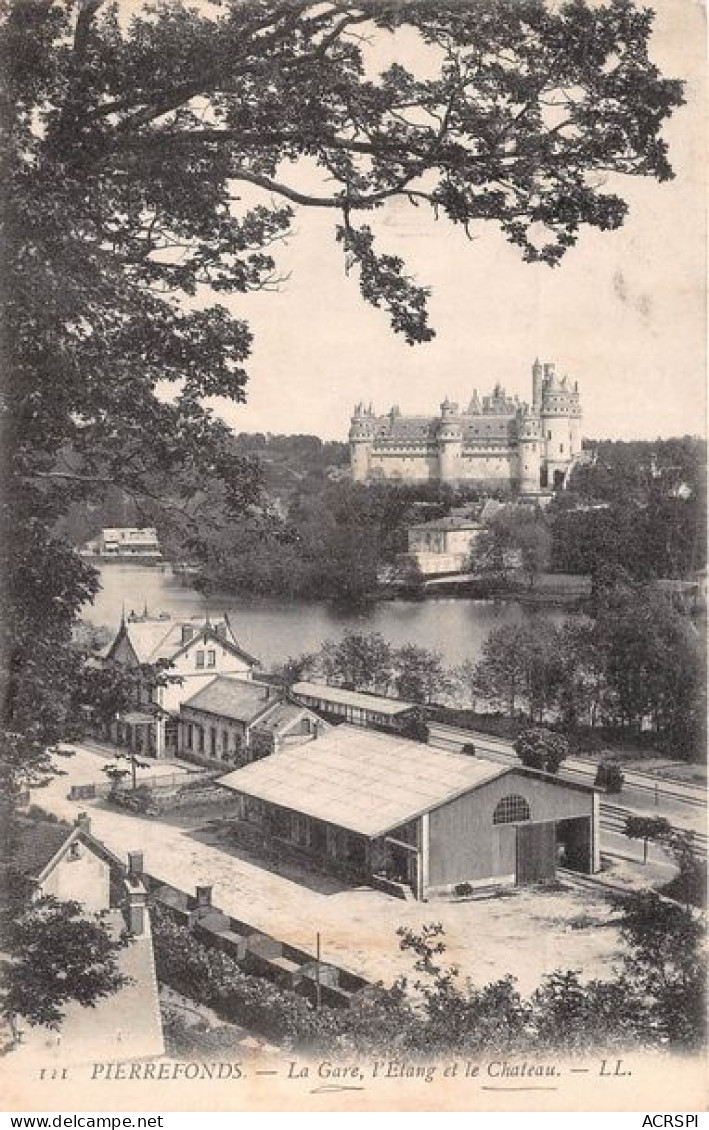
156 783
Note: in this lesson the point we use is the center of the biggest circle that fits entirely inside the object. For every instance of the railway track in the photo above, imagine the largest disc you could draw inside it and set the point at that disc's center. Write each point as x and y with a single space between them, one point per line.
613 819
577 768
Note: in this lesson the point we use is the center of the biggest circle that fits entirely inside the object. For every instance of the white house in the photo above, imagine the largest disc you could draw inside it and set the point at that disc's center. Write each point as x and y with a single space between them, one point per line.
70 864
193 652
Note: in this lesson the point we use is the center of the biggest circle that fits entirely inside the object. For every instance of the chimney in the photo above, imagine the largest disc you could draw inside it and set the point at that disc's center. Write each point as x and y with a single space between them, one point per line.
83 821
135 863
204 898
135 909
187 632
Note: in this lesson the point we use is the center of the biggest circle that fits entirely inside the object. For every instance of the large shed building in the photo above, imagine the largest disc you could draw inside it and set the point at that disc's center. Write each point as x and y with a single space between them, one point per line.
380 807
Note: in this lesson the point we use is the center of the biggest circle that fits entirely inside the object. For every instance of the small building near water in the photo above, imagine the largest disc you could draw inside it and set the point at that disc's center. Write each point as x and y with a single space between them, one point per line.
382 809
192 652
124 543
443 545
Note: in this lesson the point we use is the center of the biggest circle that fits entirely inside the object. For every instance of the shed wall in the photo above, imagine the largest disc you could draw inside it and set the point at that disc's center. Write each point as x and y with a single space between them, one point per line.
465 845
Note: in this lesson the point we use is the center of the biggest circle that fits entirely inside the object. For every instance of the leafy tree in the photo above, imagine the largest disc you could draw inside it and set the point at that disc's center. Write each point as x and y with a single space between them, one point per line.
419 674
541 748
492 553
359 661
653 664
59 957
116 773
609 776
665 965
500 675
646 828
515 538
294 669
581 672
415 727
575 1015
130 144
543 666
690 884
520 663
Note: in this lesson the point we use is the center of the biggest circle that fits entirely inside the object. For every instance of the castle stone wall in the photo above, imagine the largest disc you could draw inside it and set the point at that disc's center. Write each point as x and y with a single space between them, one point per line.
496 439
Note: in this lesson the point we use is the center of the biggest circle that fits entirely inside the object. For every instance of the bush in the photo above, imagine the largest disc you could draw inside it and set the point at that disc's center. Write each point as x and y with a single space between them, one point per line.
609 776
215 979
462 889
542 748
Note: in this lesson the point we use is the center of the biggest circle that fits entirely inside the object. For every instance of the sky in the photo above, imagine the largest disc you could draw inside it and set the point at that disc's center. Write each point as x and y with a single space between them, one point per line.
624 313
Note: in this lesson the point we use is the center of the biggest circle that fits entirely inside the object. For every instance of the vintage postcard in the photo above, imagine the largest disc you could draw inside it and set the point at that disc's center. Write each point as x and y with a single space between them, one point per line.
354 556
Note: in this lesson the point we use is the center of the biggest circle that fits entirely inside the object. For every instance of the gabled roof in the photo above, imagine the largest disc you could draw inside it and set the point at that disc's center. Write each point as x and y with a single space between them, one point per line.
39 844
366 782
36 842
282 714
154 639
239 699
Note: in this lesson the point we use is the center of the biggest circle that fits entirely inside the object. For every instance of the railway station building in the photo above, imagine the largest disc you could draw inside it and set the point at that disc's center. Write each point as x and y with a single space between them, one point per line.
382 809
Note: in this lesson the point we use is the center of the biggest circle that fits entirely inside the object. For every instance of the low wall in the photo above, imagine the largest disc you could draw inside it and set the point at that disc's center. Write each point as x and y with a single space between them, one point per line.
260 954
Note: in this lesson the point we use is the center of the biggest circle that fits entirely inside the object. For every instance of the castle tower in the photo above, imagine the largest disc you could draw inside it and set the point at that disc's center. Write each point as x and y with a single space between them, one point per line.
561 426
450 443
361 437
537 378
529 441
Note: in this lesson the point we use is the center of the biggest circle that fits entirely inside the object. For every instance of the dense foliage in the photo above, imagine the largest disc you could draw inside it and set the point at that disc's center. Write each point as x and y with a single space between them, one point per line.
632 666
635 666
60 957
366 662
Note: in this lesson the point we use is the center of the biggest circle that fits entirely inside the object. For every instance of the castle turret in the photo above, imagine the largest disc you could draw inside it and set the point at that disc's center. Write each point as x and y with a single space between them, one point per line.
529 445
537 378
450 442
361 437
561 425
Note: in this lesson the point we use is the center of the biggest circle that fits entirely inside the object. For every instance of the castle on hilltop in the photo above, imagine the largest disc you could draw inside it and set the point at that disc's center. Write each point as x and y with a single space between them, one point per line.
496 440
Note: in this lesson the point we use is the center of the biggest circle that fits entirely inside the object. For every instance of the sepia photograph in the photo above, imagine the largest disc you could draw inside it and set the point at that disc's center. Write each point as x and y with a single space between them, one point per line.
353 556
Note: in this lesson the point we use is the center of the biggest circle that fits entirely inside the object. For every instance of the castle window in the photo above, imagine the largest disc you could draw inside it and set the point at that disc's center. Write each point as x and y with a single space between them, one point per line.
512 809
549 435
561 448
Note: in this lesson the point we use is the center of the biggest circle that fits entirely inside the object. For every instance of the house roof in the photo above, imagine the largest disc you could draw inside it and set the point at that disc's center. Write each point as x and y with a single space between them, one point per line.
239 699
148 533
449 523
37 843
366 782
282 715
155 639
351 698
